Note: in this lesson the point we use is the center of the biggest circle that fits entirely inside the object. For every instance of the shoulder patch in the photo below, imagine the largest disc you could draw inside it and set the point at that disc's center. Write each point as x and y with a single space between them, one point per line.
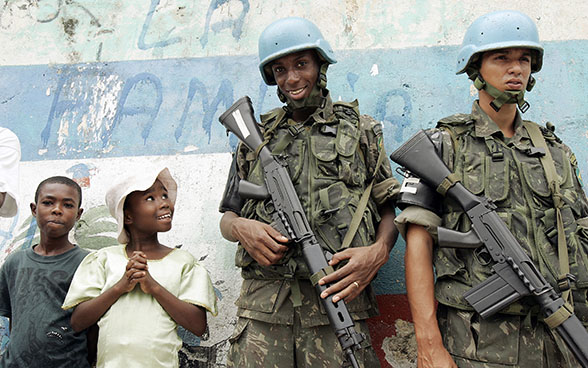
369 123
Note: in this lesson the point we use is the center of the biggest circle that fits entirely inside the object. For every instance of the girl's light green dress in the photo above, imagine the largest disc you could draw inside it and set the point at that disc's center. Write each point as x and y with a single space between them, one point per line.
136 331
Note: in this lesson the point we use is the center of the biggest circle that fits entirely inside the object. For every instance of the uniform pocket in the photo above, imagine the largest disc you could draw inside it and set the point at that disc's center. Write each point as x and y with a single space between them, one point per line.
496 181
347 138
580 268
333 214
334 149
534 175
295 161
498 340
473 171
493 340
323 149
260 295
239 329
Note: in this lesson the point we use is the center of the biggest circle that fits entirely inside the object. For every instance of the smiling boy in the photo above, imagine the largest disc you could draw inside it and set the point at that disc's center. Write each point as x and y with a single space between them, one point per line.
34 282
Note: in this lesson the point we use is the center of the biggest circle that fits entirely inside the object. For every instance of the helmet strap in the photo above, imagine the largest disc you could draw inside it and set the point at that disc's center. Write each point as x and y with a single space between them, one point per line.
322 78
531 83
501 97
281 96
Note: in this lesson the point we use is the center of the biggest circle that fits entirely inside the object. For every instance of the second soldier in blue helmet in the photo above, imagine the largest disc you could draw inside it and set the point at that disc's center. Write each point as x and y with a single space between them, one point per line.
498 155
333 154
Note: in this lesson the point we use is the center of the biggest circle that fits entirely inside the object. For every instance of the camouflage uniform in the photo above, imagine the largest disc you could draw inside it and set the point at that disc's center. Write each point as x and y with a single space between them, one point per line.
507 171
330 158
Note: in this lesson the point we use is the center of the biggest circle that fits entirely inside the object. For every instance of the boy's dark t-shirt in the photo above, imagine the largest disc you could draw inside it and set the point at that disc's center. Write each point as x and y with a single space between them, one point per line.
32 289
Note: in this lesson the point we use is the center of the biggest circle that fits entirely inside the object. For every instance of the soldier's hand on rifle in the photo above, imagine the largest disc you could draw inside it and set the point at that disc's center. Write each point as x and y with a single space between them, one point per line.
261 241
364 262
362 266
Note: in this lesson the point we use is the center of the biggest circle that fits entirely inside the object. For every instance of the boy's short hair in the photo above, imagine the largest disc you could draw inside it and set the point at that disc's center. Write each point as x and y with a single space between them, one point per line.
60 180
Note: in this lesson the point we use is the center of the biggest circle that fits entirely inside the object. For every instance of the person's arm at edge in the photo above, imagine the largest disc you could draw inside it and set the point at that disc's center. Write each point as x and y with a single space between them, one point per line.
420 289
10 155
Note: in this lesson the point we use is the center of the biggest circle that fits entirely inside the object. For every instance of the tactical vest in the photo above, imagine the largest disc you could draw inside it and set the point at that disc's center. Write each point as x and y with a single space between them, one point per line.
515 180
329 173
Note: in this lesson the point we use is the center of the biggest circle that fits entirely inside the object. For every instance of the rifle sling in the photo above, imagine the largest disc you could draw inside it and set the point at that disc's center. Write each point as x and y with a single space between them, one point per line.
447 183
559 316
314 279
552 180
358 215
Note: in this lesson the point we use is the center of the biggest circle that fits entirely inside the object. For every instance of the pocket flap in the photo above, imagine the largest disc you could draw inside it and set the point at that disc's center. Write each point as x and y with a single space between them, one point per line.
347 138
260 295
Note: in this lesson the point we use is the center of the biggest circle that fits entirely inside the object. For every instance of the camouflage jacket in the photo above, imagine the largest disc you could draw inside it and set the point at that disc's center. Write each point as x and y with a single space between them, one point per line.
505 170
331 159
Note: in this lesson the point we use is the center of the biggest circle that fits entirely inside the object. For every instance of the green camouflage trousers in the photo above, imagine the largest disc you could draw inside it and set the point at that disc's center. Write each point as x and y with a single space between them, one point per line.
256 344
501 341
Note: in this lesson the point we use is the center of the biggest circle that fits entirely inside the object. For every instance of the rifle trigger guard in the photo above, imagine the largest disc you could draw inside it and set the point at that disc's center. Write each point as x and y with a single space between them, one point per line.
483 256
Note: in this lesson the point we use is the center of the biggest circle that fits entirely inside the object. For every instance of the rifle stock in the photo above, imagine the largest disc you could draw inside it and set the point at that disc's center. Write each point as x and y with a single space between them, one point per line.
289 217
515 275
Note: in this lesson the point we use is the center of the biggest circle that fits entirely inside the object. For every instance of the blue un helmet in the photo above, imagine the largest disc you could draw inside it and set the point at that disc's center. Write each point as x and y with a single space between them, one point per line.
289 35
499 30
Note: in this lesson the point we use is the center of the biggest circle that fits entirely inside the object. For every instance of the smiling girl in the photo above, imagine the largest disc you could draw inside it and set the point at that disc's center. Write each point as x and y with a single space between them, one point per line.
139 291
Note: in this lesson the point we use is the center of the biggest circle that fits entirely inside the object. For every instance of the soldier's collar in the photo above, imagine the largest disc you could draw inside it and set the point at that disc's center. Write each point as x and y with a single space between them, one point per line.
324 114
484 126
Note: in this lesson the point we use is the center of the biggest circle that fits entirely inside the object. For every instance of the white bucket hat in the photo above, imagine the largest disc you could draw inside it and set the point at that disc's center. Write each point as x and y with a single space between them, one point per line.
117 194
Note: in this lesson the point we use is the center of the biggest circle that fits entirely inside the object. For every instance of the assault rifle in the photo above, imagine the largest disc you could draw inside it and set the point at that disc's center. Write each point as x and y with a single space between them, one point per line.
289 217
515 275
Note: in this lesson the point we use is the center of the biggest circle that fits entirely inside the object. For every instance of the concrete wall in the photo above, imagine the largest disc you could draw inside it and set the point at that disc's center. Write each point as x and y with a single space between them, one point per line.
95 89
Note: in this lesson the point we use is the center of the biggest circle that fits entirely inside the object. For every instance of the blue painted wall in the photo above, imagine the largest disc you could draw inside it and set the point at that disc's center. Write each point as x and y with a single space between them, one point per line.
161 107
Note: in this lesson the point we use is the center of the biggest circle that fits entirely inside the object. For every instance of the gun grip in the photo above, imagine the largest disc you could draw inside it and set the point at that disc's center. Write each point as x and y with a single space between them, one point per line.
497 291
454 239
249 190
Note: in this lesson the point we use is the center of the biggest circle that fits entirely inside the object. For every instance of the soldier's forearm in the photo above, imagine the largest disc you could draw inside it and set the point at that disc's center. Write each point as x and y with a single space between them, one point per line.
226 225
387 232
420 284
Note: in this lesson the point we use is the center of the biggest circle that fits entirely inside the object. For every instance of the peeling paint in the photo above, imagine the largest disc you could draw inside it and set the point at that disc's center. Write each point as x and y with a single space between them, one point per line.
401 348
374 70
69 27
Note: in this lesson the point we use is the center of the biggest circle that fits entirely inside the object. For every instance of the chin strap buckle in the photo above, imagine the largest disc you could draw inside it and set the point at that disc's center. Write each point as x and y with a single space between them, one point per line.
524 107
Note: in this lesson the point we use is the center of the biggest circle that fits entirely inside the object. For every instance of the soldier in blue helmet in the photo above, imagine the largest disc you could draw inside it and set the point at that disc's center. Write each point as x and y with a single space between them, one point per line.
335 156
497 154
